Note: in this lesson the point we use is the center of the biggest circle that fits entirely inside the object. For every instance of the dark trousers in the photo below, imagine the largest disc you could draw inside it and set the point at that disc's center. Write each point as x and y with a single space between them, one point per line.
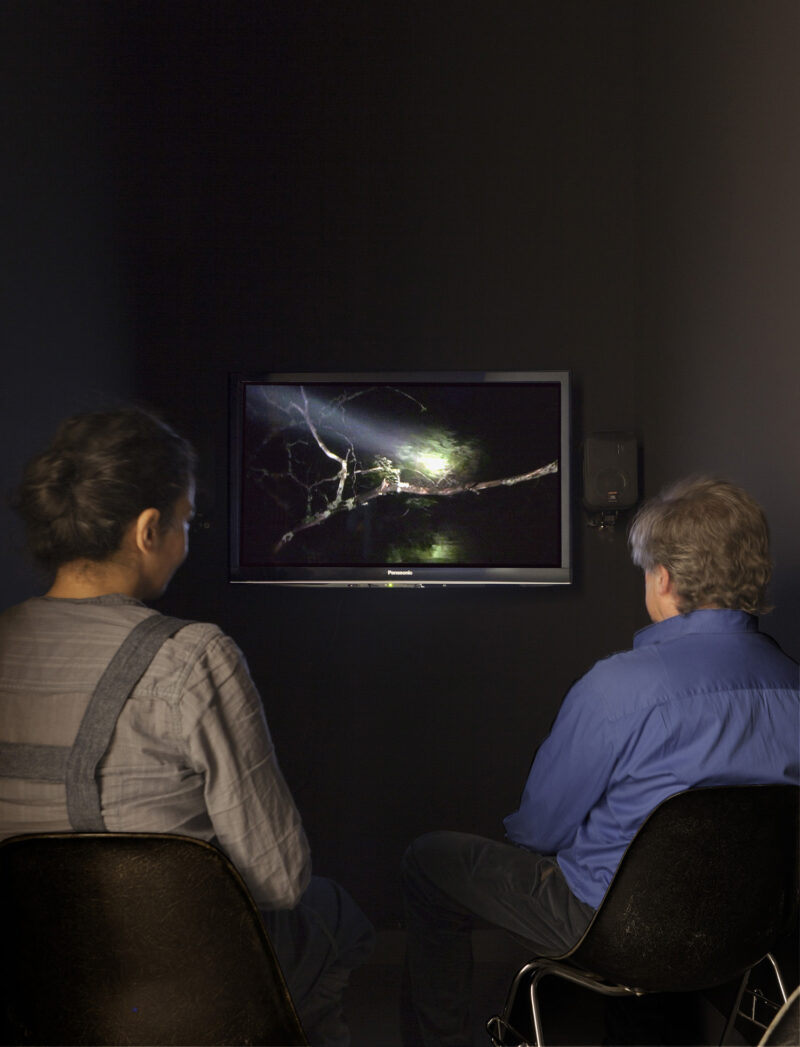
454 883
318 943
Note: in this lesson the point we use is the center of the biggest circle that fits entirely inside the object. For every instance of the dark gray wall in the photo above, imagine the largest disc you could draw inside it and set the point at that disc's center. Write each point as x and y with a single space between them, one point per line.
719 368
434 186
65 339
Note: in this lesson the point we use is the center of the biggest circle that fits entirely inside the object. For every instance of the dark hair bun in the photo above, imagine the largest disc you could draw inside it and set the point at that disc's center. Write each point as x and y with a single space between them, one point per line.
101 470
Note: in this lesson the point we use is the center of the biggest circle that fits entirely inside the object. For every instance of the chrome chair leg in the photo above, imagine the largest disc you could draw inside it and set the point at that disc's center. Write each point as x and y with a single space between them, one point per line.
778 978
538 1035
736 1010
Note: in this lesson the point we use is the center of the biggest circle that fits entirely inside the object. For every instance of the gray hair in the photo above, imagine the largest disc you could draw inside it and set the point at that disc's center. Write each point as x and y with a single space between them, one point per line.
712 537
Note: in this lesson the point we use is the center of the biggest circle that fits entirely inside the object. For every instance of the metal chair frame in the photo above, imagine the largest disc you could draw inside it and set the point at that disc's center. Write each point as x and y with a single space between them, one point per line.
756 998
503 1034
784 1029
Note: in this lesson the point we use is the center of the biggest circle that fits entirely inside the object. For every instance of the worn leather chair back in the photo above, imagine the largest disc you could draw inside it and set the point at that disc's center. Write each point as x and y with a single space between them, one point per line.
133 938
704 891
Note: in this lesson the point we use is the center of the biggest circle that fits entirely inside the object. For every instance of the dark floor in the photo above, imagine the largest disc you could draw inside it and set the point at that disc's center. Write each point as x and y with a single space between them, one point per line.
570 1014
372 1000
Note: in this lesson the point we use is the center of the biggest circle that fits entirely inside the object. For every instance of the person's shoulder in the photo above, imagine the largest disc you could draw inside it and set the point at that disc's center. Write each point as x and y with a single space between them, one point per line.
773 649
92 622
619 683
198 652
193 638
193 633
14 621
623 665
10 616
22 611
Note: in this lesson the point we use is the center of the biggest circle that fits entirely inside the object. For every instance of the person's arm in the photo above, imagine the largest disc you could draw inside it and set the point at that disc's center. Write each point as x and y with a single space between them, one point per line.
254 816
569 774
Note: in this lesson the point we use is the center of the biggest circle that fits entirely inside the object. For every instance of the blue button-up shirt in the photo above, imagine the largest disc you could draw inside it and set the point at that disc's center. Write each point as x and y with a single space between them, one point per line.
702 699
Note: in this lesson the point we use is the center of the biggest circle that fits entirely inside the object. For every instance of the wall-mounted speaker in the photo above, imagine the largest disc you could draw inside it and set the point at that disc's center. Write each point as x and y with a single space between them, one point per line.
610 471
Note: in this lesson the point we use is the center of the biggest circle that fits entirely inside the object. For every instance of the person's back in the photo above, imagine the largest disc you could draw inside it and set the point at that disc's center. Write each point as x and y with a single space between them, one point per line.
702 699
162 770
107 509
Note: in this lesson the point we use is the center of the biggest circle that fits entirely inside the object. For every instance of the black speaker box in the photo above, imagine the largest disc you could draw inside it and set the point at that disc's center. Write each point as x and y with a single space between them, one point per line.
610 471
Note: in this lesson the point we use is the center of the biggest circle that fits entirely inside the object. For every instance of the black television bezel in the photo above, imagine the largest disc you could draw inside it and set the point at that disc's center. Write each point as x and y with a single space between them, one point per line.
393 575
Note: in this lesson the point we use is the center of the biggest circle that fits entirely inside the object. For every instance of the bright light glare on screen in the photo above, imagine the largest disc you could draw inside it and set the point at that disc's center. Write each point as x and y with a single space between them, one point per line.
435 464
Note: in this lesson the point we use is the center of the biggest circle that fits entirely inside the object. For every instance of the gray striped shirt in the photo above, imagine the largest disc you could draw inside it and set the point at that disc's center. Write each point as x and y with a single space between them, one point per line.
191 752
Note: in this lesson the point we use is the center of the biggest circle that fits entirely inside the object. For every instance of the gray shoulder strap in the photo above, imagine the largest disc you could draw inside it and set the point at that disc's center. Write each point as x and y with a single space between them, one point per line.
114 687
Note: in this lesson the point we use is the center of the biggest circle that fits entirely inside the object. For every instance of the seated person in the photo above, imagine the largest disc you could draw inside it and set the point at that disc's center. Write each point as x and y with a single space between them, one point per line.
107 509
703 699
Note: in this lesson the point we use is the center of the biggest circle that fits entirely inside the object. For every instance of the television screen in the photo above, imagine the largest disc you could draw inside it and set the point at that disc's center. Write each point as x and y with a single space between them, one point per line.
400 479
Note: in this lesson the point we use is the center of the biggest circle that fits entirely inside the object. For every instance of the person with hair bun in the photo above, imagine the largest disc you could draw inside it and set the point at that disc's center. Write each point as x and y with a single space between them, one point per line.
107 508
703 698
108 504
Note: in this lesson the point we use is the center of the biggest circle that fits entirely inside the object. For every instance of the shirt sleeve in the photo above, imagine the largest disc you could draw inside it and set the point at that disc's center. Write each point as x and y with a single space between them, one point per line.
252 811
569 774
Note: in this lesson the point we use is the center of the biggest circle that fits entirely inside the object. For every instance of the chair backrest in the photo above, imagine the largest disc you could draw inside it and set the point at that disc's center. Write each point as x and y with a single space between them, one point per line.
705 889
135 938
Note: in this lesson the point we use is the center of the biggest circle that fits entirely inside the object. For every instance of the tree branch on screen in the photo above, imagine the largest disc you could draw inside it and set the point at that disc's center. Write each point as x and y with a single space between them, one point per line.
366 462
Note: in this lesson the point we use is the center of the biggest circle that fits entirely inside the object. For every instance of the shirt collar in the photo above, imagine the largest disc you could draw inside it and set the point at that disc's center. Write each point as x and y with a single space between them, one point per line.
108 599
712 620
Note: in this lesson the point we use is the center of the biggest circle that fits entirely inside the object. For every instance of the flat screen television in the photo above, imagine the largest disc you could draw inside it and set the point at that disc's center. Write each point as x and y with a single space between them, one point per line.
400 479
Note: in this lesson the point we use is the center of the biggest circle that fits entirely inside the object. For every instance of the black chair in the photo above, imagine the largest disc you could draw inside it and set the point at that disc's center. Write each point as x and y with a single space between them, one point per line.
704 892
135 938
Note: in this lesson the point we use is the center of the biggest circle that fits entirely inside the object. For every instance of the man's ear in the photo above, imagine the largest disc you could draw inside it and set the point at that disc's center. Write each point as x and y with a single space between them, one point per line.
667 592
146 529
664 584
